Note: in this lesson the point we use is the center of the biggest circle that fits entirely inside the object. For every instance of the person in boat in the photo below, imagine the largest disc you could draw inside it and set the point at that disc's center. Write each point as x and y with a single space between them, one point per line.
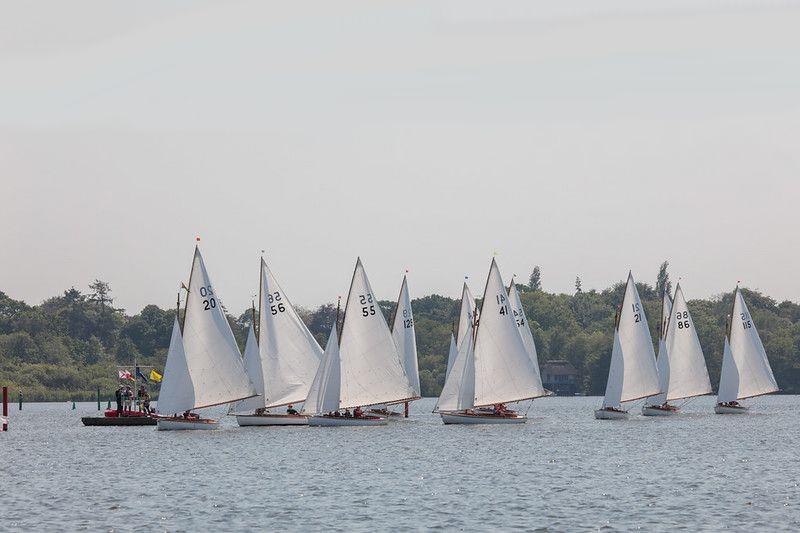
290 410
128 398
144 400
261 411
188 415
347 413
358 412
337 414
500 409
118 396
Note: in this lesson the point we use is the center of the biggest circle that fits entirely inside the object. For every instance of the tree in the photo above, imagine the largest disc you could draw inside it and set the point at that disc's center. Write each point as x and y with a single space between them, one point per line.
535 281
578 288
101 293
663 284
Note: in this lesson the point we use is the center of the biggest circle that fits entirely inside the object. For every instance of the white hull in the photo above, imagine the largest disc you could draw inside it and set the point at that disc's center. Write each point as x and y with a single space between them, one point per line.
481 418
330 421
172 424
728 410
272 420
655 411
605 414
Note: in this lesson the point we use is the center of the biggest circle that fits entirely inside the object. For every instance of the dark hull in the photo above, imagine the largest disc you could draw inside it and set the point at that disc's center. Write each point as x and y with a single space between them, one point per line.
118 421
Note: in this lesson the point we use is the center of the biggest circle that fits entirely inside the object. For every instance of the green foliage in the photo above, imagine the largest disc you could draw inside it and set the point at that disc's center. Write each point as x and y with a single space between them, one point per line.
69 345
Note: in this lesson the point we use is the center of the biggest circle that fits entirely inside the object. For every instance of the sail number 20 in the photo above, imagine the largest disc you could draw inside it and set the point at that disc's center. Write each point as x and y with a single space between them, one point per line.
209 302
366 301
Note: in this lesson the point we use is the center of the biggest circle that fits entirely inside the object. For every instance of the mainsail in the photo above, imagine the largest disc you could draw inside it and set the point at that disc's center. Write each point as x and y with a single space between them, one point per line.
212 357
451 354
458 392
684 373
252 365
522 324
405 337
662 361
745 368
632 374
466 316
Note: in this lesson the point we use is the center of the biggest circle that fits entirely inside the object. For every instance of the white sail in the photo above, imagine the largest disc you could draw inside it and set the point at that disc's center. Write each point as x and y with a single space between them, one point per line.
212 355
371 372
405 337
289 352
466 315
504 371
684 375
252 365
632 373
523 326
662 362
746 372
458 392
452 353
323 395
177 389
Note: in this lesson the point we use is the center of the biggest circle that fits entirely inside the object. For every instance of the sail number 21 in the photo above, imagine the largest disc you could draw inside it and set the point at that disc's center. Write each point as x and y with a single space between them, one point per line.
637 312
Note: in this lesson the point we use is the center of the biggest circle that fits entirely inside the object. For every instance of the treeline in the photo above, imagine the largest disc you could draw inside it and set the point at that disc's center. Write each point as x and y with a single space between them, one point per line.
71 344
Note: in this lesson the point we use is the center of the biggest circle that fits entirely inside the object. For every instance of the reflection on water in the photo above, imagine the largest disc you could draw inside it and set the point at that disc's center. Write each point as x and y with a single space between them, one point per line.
563 470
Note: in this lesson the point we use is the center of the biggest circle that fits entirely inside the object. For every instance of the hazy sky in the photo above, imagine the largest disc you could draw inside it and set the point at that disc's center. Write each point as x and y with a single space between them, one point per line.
588 137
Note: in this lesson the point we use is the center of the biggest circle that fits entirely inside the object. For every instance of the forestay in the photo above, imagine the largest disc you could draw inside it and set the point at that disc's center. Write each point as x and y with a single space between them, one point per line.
405 338
289 352
177 389
253 367
632 373
684 373
323 395
371 372
745 368
504 372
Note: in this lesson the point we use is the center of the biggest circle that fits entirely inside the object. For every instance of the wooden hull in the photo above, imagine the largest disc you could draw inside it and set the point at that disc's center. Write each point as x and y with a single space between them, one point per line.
272 420
480 418
331 421
384 413
652 410
607 414
730 410
176 424
118 421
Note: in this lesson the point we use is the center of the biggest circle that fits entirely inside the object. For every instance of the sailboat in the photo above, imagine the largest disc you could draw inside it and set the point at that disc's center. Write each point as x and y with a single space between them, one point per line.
281 360
745 368
362 368
406 341
682 371
632 374
492 366
204 367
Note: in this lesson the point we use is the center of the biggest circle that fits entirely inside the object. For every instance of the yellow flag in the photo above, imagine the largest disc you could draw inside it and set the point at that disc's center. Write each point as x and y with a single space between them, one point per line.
155 376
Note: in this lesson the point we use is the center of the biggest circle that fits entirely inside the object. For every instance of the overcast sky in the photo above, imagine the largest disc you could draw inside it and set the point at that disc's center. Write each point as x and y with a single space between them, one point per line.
588 137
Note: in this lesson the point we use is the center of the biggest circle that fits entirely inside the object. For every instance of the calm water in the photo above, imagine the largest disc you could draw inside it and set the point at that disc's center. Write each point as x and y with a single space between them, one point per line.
563 471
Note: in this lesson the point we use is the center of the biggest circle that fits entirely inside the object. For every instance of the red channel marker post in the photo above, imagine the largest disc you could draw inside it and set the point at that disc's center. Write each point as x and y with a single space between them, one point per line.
5 408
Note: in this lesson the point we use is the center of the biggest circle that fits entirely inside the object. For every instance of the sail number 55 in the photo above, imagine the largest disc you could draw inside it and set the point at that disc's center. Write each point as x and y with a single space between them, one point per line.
366 308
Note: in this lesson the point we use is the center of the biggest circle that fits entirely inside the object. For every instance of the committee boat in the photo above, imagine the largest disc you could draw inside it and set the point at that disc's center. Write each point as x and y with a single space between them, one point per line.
204 367
632 374
281 359
492 366
361 366
405 339
682 371
746 372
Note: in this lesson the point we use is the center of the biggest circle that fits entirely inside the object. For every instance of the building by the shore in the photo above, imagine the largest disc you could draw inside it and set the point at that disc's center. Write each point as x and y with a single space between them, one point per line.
560 377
